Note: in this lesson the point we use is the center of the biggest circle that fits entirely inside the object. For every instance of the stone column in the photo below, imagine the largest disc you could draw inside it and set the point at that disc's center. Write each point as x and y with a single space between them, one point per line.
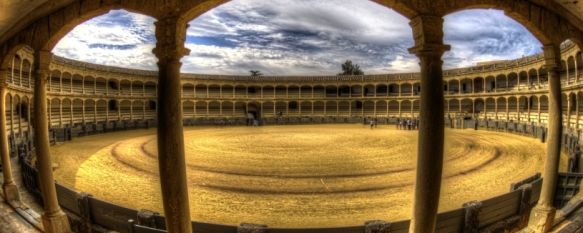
53 218
541 219
9 187
429 47
171 34
568 121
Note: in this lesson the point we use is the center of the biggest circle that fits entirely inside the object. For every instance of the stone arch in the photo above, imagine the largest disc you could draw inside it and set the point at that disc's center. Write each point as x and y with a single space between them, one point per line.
280 91
382 90
512 80
320 91
501 104
269 91
125 107
453 86
478 84
10 54
571 68
214 108
490 83
394 89
453 106
125 86
26 73
368 108
293 91
55 108
501 82
490 107
319 109
214 91
187 90
523 79
344 108
532 78
201 108
466 85
77 110
227 91
293 107
393 108
54 82
66 110
138 109
544 107
89 84
151 88
281 107
406 106
467 106
306 107
227 108
188 109
306 92
381 108
369 90
479 106
137 88
543 76
406 89
331 108
77 83
200 90
101 110
268 109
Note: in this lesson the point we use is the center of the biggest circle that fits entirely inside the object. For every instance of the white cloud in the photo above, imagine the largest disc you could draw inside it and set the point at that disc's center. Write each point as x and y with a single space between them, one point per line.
281 37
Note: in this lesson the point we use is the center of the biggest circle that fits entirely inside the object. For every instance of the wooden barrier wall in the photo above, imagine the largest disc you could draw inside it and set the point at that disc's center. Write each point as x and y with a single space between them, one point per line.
509 211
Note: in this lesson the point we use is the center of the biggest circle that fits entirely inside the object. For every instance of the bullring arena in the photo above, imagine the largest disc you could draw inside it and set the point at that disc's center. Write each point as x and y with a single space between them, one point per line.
493 147
314 144
349 173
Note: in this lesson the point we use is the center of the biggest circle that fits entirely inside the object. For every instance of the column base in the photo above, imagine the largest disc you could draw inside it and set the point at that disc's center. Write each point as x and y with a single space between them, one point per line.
541 219
11 193
56 223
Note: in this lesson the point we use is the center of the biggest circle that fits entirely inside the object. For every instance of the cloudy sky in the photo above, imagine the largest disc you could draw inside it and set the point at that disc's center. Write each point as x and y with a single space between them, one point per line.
303 37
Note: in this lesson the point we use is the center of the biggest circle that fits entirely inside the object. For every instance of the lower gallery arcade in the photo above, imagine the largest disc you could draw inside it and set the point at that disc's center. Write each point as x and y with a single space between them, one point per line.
50 93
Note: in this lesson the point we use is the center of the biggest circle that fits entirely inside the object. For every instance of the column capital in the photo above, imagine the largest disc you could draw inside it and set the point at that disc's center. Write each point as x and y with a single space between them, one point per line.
552 56
170 36
428 35
42 59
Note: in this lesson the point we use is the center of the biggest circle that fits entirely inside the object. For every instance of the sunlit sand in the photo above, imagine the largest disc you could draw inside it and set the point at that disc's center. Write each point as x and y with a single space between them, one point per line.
296 176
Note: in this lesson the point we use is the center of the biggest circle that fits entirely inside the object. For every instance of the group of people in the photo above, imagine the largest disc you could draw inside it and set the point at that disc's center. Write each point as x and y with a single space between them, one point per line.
407 124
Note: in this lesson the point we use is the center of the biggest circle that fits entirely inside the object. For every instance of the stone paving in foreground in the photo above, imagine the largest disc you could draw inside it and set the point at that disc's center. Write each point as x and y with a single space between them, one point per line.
10 220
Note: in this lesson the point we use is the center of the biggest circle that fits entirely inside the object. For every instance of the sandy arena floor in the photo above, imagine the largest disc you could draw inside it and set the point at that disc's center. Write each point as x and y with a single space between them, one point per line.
296 176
